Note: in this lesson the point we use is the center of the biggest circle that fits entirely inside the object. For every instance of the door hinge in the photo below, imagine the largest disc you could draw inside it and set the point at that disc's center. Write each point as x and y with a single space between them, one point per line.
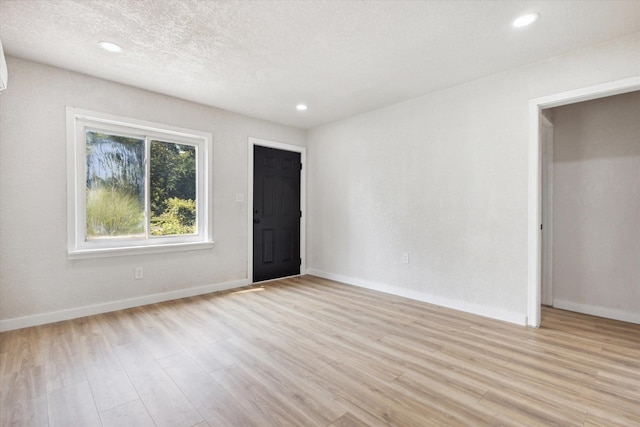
300 214
300 165
300 261
540 226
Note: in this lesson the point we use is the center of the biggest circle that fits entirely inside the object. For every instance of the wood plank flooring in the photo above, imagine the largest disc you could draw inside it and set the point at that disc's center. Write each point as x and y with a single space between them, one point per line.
312 352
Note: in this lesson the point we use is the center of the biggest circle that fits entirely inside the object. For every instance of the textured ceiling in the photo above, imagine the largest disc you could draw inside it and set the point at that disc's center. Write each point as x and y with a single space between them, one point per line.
261 58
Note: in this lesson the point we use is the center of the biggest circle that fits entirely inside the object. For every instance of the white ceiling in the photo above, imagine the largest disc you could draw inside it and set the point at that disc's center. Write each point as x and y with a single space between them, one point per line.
261 58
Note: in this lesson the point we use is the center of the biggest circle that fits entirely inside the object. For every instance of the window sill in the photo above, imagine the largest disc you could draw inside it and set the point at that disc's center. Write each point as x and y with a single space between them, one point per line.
137 250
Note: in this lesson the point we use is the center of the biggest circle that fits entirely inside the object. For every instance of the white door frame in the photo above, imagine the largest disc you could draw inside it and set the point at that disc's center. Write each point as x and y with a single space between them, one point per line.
546 141
303 197
535 174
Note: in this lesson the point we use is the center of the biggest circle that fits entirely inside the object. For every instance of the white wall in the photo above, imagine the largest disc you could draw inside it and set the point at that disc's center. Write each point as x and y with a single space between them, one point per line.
443 177
596 207
36 279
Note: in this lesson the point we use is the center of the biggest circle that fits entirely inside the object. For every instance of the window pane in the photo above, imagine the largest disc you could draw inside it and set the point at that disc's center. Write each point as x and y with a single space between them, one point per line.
173 189
115 186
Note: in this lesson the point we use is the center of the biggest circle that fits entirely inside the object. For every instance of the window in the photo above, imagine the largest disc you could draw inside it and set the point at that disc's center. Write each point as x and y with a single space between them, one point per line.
135 187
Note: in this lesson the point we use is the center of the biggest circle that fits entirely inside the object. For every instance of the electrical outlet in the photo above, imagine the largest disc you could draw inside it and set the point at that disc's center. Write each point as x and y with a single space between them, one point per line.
405 258
138 273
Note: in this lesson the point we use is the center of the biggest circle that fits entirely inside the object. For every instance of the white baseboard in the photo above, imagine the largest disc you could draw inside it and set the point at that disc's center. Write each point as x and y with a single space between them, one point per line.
74 313
594 310
481 310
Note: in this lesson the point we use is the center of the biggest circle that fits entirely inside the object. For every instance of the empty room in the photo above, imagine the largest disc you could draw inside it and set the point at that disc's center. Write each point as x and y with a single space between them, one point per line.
319 213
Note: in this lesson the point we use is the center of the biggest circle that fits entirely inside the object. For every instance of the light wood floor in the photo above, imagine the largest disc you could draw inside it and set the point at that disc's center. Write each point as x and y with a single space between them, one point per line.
311 352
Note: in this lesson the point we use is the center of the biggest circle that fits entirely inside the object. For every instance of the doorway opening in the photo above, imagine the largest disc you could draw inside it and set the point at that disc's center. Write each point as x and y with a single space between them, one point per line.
536 173
590 207
276 211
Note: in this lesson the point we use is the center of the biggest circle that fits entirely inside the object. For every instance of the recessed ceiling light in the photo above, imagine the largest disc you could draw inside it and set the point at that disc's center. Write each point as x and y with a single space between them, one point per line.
301 107
526 19
111 47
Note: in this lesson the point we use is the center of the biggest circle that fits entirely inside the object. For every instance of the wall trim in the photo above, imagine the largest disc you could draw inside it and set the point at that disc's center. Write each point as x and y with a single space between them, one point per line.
480 310
594 310
89 310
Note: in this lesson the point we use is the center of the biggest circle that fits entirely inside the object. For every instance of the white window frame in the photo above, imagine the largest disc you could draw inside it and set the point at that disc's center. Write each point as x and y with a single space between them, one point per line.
77 245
